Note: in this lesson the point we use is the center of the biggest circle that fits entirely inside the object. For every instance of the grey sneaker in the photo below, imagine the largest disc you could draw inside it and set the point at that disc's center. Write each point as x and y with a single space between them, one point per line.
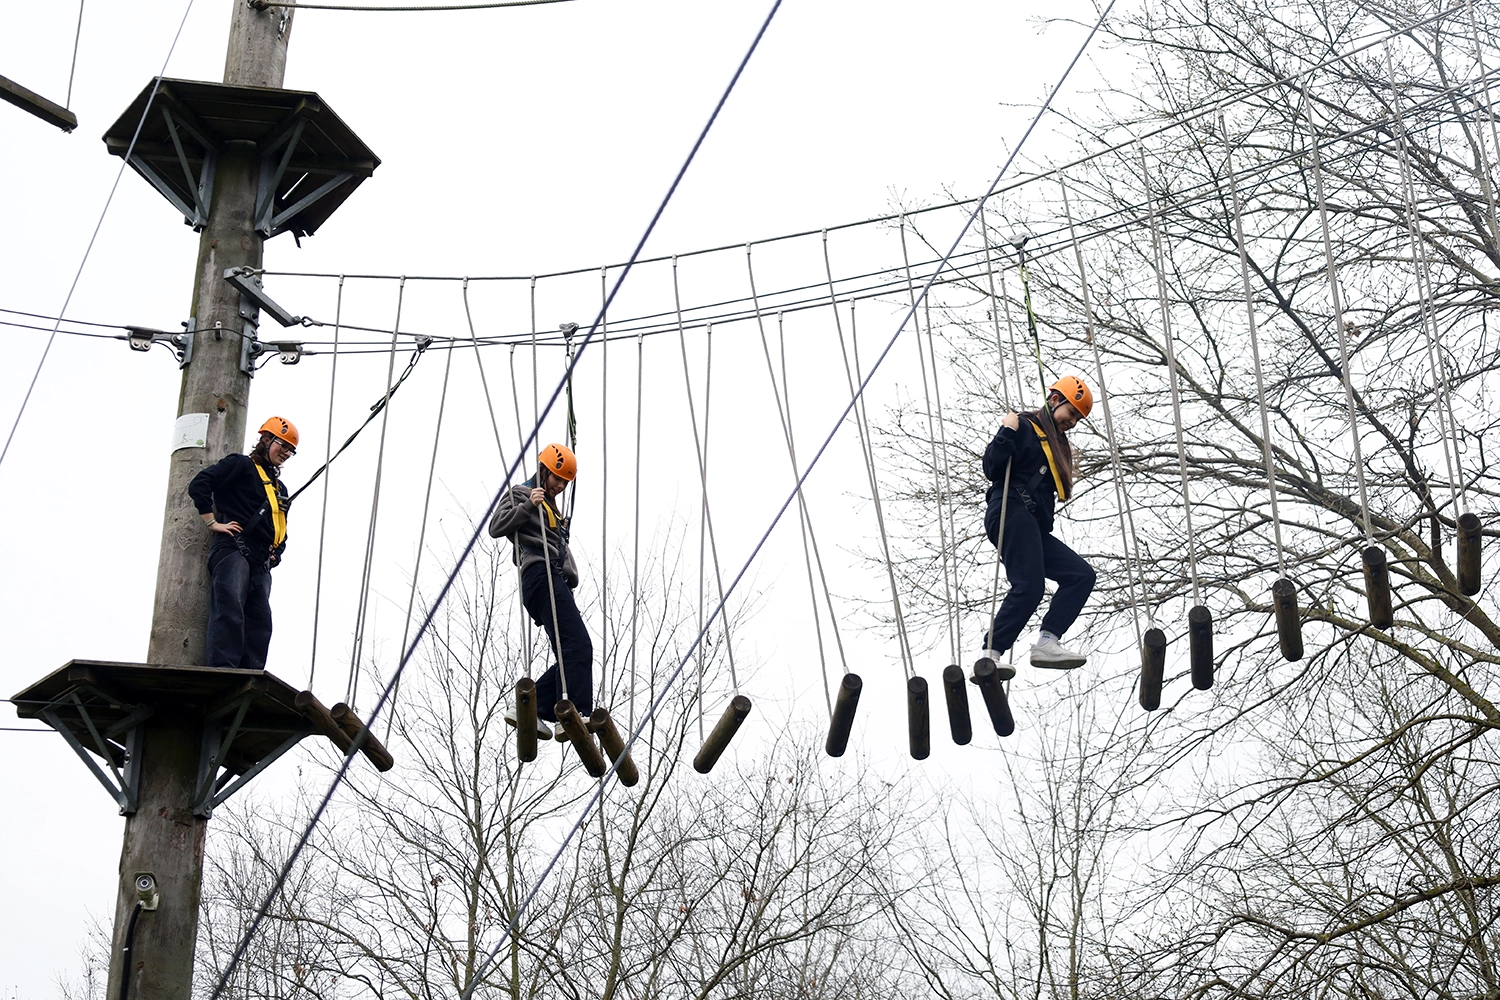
1053 655
1003 670
543 731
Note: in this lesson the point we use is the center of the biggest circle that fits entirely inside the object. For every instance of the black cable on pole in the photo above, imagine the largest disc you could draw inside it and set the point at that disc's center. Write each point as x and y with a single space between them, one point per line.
479 527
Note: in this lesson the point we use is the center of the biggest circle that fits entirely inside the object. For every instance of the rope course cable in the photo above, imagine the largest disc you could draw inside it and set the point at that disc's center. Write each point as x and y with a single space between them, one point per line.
320 810
109 200
73 65
333 375
489 404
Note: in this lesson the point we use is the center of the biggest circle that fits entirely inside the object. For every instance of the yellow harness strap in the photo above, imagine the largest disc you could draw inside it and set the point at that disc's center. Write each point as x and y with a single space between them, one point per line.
1062 493
278 516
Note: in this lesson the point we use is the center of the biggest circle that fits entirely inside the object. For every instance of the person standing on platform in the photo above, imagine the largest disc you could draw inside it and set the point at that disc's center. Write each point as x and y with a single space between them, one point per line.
244 503
530 516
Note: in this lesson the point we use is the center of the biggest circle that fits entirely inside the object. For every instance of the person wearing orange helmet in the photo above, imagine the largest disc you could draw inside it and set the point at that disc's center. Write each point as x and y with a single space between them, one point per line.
243 501
530 516
1032 450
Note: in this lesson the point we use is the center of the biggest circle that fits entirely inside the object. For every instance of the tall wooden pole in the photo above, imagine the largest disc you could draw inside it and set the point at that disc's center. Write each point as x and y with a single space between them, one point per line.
164 837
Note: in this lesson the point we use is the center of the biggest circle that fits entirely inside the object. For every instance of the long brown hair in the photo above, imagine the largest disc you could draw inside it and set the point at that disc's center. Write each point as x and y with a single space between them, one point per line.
261 454
1062 451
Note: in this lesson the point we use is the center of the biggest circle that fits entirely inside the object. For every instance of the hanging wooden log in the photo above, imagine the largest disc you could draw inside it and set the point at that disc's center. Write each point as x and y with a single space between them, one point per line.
1153 667
614 745
374 750
1004 671
957 696
583 743
1201 646
842 722
1377 586
918 722
526 719
1468 553
1288 619
317 713
723 731
987 676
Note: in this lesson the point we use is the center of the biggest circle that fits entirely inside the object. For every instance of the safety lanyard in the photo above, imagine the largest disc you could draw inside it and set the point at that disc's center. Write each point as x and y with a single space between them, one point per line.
1062 492
273 501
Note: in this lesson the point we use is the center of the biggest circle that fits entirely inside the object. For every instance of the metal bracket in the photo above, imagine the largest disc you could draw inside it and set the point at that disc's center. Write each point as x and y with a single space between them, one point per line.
141 338
216 782
123 780
247 281
288 352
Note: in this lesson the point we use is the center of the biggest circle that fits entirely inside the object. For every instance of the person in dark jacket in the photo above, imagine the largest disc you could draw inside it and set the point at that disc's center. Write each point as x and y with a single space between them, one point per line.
244 503
1031 453
530 516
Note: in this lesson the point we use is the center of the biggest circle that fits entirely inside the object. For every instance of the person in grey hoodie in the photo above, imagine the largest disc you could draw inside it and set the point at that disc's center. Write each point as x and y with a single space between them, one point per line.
530 516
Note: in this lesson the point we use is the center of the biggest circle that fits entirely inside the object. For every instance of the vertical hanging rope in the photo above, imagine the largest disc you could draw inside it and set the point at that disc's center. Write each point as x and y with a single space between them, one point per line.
1267 450
604 493
489 404
783 413
949 608
1015 353
1424 296
352 688
1487 177
708 369
333 374
635 559
73 68
1122 498
1159 266
989 273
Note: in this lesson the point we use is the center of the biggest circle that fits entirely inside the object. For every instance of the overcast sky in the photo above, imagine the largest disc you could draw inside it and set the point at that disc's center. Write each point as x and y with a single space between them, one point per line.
513 142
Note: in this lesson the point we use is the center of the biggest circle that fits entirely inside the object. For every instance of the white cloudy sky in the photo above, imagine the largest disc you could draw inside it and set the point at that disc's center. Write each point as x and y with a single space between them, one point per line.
513 142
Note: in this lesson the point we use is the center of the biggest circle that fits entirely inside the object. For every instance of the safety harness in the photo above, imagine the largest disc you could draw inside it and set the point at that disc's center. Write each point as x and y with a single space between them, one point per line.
1025 492
278 515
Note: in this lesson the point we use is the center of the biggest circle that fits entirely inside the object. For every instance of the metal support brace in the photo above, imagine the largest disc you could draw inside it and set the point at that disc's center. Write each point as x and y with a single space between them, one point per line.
123 780
215 783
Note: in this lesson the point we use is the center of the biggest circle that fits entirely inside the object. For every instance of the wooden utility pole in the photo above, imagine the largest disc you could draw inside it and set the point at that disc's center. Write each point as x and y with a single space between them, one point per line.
163 836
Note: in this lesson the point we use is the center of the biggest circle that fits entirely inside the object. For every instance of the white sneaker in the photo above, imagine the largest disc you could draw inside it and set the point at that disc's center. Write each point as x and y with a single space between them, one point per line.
1050 653
1002 669
543 731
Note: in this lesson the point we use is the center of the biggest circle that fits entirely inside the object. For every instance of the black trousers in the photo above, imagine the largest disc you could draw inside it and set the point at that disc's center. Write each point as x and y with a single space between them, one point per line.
239 608
1032 556
569 634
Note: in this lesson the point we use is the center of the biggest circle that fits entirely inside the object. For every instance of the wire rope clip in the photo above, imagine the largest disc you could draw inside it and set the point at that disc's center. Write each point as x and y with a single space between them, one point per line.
1377 586
1153 667
918 722
142 338
588 751
956 694
987 675
718 739
1201 646
1288 619
844 707
1469 537
526 719
609 736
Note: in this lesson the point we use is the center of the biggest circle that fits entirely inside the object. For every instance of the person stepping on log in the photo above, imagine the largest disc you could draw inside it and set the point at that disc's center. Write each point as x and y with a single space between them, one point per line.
529 515
1030 454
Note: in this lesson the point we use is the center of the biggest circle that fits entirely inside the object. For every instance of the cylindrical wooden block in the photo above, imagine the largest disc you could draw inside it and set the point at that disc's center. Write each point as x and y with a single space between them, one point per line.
526 719
588 751
1153 667
1201 646
1377 586
614 745
843 715
1468 553
987 676
317 713
956 693
1288 620
718 740
1003 671
374 750
918 721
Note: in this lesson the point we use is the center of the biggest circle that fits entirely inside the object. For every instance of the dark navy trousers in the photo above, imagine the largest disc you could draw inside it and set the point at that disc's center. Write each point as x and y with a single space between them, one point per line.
239 608
570 634
1031 556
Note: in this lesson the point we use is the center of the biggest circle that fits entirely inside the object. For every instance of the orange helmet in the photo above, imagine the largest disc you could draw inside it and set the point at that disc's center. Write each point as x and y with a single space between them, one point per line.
1072 389
559 461
281 427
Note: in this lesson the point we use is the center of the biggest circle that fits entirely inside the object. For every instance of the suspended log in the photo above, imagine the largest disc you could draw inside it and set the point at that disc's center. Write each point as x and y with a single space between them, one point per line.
723 732
374 750
317 713
918 724
526 719
957 696
1201 646
614 745
1288 620
1004 671
583 743
1377 586
988 678
1468 553
843 715
1153 667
